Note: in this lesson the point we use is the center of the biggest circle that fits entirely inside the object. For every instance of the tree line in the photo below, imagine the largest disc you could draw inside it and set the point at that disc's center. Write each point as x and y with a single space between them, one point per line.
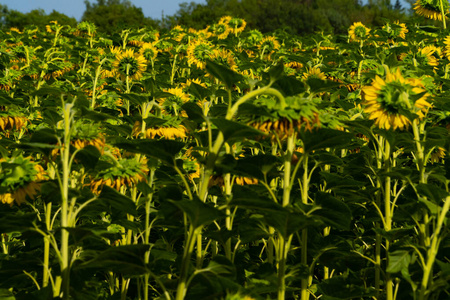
292 16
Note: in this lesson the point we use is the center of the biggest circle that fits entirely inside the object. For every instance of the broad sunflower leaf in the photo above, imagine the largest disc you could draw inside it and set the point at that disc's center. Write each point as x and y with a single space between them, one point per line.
162 149
15 221
339 287
234 130
325 138
113 198
289 86
198 212
333 211
223 73
398 260
125 260
88 156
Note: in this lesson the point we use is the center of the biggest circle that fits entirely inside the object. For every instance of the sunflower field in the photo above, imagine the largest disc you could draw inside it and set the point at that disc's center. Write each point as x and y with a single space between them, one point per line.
225 164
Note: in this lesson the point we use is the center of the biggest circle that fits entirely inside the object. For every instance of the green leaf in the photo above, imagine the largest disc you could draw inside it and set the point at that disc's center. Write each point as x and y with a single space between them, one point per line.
198 212
162 149
15 221
317 85
198 91
289 86
88 156
125 260
111 197
398 260
333 212
234 130
220 265
287 222
342 288
95 116
137 99
325 138
194 112
276 71
223 73
6 295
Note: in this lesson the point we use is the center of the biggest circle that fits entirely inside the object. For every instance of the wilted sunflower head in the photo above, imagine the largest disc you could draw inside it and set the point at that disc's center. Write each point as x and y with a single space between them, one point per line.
130 64
394 101
431 8
358 32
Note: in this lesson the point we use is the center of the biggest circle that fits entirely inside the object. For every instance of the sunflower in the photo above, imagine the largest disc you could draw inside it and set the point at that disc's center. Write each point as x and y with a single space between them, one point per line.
148 51
177 33
358 32
314 72
447 47
431 9
437 155
269 44
20 178
11 123
225 57
172 104
220 30
130 64
125 172
167 131
396 30
236 25
389 101
198 52
428 55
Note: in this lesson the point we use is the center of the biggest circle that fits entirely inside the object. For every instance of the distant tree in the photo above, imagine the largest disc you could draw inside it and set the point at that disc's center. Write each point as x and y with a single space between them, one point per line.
110 15
37 17
398 5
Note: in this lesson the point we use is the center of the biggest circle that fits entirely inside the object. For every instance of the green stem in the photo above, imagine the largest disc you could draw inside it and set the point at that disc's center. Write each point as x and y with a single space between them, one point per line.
65 263
441 5
387 215
46 265
304 245
432 251
188 249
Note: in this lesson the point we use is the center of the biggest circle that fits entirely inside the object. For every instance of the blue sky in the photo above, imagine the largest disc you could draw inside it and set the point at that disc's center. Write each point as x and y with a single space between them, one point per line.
75 8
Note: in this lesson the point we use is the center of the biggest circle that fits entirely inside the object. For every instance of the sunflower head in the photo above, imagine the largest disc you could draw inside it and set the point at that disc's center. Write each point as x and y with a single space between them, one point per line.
148 51
19 178
431 9
395 30
394 101
130 64
358 32
315 73
199 52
